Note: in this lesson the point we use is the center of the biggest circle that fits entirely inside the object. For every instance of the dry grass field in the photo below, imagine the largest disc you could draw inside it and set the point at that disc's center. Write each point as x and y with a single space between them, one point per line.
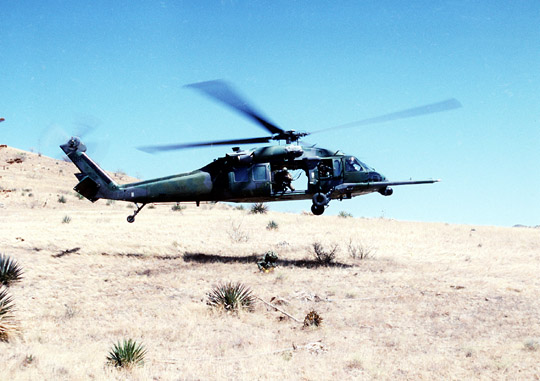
432 301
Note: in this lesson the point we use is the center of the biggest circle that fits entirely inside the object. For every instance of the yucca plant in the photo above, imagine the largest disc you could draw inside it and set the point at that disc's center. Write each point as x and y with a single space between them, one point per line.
10 271
272 225
259 208
7 324
127 354
231 297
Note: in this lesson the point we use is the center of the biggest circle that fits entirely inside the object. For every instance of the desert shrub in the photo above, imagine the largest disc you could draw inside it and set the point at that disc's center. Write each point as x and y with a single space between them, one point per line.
359 251
110 202
259 208
66 220
344 214
272 225
79 196
10 271
239 207
126 354
178 207
236 233
231 297
62 200
312 319
532 345
7 324
322 255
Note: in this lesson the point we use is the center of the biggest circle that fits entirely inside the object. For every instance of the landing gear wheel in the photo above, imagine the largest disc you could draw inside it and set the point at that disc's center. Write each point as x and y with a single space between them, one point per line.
317 209
131 218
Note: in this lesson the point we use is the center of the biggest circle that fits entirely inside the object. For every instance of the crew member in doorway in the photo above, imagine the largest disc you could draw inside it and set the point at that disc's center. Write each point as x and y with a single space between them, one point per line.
283 179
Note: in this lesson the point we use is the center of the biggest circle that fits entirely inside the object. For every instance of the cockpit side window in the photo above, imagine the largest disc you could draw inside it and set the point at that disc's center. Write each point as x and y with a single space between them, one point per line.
353 165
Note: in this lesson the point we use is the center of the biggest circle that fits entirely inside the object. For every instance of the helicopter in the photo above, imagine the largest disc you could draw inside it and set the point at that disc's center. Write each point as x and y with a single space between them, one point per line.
255 175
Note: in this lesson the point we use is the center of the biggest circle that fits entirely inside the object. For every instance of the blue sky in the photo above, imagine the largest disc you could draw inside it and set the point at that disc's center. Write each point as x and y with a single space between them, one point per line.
121 67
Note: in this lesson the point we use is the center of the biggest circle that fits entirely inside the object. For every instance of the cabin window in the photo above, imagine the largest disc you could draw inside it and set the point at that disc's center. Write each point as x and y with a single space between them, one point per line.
241 175
259 173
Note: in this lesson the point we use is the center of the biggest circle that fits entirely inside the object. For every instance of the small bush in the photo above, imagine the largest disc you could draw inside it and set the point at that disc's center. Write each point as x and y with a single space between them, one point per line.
239 207
110 202
79 196
359 251
178 207
322 255
66 220
231 297
272 225
259 208
313 319
7 324
344 214
10 271
237 234
62 200
532 345
126 354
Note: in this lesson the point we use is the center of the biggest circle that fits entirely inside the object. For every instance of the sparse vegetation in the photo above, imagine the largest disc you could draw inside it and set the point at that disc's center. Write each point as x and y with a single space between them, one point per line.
259 208
66 220
344 214
532 345
62 200
272 225
231 297
322 255
359 251
126 354
79 196
7 323
239 207
10 271
312 319
236 233
177 207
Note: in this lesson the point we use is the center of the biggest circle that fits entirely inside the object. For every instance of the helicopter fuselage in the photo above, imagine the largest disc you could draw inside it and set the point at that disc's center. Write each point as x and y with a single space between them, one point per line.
241 176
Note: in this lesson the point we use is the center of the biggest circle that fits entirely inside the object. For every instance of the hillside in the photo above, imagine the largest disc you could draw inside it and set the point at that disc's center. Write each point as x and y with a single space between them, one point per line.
431 301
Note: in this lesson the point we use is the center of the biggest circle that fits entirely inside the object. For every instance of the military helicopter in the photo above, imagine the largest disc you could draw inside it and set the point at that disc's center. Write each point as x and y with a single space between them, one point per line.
256 175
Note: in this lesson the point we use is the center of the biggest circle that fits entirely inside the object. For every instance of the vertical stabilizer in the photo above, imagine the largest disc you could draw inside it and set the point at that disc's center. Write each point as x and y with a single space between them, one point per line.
94 183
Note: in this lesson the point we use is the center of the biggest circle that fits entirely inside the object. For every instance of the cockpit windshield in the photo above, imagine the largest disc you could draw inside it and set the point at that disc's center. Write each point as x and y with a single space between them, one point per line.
352 164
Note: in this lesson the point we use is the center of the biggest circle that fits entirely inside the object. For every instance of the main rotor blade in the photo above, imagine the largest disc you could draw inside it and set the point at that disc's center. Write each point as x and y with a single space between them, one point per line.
432 108
224 93
172 147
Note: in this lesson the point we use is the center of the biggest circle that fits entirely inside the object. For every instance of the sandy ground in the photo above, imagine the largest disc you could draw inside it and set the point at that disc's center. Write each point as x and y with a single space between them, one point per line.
433 301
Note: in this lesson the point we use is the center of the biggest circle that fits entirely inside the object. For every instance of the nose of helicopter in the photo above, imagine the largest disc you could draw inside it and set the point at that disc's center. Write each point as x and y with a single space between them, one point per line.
374 177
